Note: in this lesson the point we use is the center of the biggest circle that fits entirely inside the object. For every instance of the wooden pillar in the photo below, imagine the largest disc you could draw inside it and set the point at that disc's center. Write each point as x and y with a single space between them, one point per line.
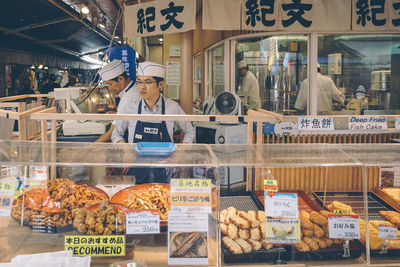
186 86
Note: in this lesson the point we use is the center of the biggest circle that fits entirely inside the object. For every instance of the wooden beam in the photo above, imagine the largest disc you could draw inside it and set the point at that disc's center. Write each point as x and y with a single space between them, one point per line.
27 113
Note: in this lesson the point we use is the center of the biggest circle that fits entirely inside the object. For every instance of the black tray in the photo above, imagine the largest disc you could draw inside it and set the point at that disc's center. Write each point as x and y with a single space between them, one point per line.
246 201
356 200
334 252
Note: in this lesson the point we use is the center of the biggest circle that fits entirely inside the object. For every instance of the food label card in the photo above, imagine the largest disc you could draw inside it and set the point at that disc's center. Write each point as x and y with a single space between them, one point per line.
282 205
344 226
282 231
189 194
187 238
143 222
387 232
7 190
95 245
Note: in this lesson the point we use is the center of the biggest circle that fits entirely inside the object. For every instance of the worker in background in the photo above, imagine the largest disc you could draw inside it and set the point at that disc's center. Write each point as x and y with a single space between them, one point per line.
327 92
49 85
150 81
359 101
249 90
115 76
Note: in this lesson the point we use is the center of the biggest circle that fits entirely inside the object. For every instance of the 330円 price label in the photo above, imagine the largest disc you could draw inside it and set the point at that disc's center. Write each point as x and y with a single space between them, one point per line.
282 205
344 227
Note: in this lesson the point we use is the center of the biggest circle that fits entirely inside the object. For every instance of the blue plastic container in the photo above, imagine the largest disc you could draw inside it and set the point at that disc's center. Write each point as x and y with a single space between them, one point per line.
155 148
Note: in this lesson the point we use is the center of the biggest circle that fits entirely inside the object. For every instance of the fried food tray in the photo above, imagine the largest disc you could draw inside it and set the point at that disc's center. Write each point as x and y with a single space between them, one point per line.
333 252
355 199
246 201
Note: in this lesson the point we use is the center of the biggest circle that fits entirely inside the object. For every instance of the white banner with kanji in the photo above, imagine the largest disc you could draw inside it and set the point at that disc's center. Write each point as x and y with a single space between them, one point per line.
159 17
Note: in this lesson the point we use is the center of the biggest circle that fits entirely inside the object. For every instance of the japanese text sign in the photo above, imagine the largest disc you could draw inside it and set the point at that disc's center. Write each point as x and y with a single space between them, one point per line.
359 123
387 232
143 222
344 226
270 185
316 123
95 245
159 17
191 192
282 231
282 205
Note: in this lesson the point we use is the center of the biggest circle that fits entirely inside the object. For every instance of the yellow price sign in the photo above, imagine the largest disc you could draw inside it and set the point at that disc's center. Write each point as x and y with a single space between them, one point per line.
95 245
270 185
343 212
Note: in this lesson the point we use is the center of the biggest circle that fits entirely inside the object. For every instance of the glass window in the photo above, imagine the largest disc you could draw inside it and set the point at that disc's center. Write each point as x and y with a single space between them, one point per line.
278 64
365 69
217 70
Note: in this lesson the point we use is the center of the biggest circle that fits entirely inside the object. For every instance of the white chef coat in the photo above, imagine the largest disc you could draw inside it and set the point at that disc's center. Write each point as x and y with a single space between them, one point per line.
132 96
171 107
250 90
327 92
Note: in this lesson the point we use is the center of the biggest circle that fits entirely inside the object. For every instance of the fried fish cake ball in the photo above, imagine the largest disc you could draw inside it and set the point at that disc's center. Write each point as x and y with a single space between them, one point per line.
302 246
311 243
318 231
318 219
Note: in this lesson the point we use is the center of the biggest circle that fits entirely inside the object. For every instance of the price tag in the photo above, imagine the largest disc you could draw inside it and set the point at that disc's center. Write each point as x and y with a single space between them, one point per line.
344 226
270 185
282 231
387 232
282 205
143 222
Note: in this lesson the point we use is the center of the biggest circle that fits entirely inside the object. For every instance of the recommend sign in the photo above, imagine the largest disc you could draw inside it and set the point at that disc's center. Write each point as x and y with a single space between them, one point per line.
95 245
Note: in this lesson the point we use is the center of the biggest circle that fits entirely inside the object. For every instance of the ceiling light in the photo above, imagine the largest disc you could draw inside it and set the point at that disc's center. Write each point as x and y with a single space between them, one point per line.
116 37
46 68
160 39
84 8
103 22
33 67
40 66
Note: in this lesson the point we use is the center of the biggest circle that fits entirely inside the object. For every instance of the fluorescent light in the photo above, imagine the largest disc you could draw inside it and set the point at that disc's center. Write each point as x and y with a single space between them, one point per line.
32 67
46 68
160 39
40 66
92 61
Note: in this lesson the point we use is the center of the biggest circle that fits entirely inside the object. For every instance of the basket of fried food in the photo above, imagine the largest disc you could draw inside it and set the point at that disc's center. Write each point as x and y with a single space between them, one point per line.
145 196
104 218
48 208
243 237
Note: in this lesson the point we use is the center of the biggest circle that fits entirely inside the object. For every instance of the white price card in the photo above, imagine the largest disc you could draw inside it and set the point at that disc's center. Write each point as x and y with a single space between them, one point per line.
344 226
387 232
367 123
143 222
282 231
283 205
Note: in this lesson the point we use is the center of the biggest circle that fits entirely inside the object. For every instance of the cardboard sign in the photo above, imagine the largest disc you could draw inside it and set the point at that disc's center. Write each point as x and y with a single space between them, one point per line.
95 245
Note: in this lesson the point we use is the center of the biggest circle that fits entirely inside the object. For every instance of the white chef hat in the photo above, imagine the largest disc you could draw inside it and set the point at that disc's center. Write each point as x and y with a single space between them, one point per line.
112 70
149 68
241 64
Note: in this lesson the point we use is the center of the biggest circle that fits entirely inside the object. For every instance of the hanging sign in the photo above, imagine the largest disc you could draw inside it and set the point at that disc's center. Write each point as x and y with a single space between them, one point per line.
361 123
160 17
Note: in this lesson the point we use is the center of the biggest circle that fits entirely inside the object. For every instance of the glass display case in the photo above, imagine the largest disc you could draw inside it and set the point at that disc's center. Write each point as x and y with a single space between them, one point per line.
307 204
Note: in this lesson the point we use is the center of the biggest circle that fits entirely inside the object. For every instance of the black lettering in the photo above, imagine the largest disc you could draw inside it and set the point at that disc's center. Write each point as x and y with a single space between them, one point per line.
101 250
88 250
119 250
76 252
81 250
107 251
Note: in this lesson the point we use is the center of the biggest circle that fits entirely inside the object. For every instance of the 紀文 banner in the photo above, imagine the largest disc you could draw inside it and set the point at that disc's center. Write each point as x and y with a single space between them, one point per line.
159 17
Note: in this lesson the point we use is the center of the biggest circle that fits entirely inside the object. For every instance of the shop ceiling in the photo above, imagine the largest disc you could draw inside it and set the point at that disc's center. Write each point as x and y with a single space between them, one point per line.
57 28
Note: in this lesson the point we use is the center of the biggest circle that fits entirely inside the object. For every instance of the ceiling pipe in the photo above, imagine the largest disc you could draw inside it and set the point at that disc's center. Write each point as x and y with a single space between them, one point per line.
38 25
64 8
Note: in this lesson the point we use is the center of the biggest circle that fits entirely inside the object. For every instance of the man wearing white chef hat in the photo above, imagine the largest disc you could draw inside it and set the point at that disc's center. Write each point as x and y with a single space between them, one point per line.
115 76
150 80
250 89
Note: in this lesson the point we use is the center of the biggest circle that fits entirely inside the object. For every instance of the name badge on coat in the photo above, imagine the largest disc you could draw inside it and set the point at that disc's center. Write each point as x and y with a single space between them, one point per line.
138 136
150 130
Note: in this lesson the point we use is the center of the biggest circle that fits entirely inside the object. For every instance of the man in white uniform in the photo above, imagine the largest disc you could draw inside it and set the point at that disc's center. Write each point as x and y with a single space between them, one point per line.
115 76
250 89
327 91
150 80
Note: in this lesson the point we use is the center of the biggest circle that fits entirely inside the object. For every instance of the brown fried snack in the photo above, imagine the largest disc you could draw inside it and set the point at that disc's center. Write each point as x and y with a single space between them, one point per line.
255 234
266 245
325 213
224 228
255 245
244 234
232 231
392 216
307 232
231 245
321 243
311 243
318 232
302 247
306 223
261 216
304 214
252 221
239 222
246 247
328 241
318 219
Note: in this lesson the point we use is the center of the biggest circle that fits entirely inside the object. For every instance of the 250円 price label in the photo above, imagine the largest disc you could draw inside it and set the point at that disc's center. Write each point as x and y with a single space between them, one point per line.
344 226
143 222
